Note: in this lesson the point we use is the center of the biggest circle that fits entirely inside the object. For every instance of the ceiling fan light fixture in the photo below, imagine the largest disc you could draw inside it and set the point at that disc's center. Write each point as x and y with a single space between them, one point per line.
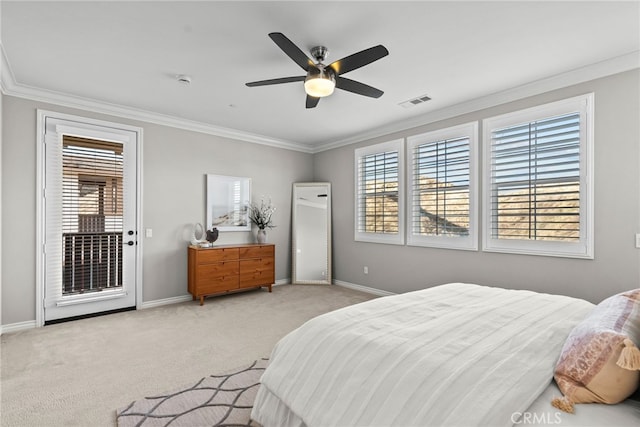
319 85
321 80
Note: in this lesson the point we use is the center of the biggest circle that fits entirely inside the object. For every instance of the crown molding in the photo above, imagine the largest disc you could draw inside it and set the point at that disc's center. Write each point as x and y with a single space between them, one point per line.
6 74
10 87
605 68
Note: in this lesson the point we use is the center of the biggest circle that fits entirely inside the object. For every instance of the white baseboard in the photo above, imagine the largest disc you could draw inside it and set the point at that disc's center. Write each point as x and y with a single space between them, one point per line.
30 324
165 301
184 298
361 288
15 327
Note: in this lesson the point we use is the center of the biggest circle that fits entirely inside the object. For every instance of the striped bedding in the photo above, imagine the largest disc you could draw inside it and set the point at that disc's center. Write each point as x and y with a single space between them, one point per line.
453 355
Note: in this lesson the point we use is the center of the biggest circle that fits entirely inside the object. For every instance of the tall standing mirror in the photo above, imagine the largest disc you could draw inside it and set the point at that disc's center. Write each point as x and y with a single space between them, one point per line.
311 231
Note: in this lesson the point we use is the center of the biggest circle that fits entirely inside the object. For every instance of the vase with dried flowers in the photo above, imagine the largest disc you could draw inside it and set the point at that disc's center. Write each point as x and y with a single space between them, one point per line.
262 216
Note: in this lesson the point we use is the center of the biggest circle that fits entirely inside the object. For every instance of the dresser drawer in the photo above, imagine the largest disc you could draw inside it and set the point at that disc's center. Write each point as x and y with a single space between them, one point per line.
217 255
216 271
256 272
256 252
222 284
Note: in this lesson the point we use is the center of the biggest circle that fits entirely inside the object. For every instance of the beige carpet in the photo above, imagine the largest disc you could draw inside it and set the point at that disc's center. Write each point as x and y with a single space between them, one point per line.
78 373
222 400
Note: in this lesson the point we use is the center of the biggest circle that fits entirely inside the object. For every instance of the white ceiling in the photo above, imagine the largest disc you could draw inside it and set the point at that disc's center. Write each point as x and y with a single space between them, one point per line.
125 56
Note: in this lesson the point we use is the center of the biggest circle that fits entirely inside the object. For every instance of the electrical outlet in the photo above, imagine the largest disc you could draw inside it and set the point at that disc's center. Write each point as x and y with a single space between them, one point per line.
366 270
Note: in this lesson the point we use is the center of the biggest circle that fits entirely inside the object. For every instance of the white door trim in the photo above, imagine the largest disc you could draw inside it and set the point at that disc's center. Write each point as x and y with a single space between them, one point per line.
40 180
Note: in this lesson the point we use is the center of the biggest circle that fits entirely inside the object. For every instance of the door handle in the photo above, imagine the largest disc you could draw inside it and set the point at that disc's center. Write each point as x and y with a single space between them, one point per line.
130 243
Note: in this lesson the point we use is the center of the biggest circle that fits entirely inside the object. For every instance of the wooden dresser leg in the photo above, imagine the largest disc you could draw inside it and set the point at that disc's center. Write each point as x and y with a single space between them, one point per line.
269 288
202 300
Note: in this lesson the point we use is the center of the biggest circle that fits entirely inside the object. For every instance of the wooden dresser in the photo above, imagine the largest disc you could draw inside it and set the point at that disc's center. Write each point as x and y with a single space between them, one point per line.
227 268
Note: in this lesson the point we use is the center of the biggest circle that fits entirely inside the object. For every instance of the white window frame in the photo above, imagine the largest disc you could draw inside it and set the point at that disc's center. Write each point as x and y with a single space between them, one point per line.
470 242
389 238
583 248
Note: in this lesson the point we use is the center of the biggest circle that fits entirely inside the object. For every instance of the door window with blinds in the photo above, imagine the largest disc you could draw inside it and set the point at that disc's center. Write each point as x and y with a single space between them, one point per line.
538 182
441 188
379 212
92 191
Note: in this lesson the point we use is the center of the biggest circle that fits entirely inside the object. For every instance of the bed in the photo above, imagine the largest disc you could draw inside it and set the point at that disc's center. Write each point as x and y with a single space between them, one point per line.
452 355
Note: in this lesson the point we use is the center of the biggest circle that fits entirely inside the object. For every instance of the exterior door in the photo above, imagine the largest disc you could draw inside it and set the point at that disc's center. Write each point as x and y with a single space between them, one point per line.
90 220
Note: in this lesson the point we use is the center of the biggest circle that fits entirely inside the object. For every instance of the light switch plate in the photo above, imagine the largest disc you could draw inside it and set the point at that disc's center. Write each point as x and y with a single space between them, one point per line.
148 232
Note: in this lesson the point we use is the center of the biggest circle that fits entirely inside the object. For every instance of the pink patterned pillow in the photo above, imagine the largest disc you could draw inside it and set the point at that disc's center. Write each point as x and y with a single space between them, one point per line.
600 360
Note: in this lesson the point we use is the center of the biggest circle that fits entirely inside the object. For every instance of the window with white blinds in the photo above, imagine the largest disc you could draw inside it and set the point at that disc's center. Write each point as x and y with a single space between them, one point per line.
379 193
441 198
92 220
538 184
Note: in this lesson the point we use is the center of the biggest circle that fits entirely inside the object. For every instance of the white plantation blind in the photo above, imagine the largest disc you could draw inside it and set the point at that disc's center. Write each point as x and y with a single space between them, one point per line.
92 207
535 192
379 193
539 175
92 185
441 187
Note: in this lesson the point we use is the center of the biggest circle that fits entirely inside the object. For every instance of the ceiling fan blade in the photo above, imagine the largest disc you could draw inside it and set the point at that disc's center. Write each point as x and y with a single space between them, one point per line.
292 50
357 87
312 101
277 81
359 59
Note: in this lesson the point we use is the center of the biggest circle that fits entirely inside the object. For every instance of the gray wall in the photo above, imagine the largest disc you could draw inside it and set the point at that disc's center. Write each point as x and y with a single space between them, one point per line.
175 162
616 266
174 166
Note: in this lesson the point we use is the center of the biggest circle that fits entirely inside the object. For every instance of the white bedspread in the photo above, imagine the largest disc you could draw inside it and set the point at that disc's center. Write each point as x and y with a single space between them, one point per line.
456 354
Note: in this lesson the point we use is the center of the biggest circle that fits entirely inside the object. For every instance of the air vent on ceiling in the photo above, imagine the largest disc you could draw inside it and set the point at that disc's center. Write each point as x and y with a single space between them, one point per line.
415 101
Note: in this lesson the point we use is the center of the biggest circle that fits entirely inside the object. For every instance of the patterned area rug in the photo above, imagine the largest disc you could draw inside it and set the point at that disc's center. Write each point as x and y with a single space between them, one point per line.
216 400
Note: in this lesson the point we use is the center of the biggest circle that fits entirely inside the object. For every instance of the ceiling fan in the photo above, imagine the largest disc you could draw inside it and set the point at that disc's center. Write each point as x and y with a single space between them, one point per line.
321 79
